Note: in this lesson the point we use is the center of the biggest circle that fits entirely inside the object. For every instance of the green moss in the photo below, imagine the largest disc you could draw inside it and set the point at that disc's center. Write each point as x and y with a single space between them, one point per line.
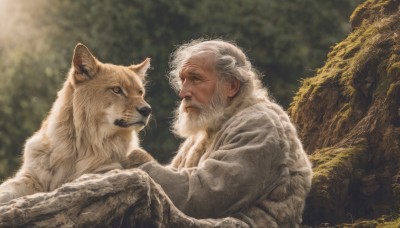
365 224
368 10
383 85
349 100
394 65
394 224
385 221
329 161
352 58
342 115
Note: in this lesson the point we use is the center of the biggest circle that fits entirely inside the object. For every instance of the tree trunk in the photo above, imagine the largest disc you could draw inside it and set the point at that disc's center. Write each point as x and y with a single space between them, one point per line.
119 198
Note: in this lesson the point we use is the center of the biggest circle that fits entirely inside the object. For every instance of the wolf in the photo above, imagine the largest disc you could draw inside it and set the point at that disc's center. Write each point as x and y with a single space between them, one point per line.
92 127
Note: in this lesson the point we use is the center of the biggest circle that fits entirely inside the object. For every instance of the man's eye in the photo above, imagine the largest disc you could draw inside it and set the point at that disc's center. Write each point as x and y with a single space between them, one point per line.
195 79
117 90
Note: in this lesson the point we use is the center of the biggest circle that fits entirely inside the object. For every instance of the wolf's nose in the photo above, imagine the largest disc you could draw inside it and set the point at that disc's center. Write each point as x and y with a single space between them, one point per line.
145 110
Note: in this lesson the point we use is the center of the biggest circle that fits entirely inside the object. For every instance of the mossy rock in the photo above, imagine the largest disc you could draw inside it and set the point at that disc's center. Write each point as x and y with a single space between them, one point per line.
392 221
348 117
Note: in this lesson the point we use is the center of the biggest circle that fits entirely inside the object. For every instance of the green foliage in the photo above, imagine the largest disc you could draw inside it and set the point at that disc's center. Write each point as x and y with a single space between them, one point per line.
285 41
26 94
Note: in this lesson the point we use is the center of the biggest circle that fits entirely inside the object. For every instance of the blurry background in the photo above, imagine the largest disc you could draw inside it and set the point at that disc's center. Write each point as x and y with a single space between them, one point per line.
285 40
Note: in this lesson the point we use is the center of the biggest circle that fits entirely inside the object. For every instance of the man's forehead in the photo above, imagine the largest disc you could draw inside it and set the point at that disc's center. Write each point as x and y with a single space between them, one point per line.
201 62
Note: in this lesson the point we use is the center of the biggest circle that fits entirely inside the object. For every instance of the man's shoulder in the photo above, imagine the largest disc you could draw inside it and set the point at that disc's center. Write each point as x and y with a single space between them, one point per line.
259 115
263 110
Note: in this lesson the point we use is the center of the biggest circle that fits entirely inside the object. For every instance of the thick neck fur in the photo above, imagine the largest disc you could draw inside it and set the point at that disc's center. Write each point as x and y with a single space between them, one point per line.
71 127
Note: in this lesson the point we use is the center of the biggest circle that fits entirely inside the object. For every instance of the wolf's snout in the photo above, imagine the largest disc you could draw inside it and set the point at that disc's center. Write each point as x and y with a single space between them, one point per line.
145 110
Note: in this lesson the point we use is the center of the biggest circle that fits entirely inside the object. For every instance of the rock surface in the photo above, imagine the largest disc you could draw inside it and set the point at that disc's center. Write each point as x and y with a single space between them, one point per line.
120 198
348 117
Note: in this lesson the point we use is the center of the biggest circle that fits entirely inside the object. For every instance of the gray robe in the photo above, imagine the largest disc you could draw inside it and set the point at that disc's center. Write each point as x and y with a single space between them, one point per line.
252 167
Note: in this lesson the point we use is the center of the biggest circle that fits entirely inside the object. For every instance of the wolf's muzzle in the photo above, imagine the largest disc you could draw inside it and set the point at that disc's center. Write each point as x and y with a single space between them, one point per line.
144 110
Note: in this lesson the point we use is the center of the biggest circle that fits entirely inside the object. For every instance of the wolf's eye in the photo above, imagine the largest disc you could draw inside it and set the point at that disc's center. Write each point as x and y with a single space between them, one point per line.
141 92
117 90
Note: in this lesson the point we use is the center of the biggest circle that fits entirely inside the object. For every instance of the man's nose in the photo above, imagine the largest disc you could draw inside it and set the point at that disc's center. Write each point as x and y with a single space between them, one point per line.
185 92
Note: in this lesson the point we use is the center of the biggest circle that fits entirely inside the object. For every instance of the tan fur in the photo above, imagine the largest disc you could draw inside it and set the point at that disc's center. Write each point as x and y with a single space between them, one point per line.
91 127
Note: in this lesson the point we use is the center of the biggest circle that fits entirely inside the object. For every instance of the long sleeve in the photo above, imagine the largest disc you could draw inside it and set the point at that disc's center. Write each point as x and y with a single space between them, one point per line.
247 161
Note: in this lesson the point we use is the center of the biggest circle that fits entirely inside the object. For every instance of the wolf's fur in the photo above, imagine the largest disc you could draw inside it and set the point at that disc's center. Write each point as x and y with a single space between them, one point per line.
92 126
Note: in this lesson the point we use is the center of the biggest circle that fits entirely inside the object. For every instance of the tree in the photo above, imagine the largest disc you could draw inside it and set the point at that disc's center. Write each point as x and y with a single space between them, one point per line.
285 41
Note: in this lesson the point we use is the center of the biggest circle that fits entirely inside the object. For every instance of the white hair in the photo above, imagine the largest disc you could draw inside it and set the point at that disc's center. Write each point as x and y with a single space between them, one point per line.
229 62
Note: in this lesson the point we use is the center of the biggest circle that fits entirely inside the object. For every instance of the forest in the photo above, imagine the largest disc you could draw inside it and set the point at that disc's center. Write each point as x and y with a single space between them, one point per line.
286 41
333 65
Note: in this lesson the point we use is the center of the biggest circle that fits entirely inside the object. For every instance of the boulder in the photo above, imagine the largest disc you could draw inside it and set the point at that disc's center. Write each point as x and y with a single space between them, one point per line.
348 117
119 198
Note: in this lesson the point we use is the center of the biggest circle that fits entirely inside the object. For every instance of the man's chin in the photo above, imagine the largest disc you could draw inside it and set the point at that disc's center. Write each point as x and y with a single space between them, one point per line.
192 111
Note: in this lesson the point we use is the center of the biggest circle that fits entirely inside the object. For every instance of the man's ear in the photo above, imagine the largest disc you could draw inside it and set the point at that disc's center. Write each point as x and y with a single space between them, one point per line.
84 63
141 68
233 87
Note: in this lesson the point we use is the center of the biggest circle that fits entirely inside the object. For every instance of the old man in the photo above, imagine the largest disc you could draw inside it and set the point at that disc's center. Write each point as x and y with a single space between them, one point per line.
241 155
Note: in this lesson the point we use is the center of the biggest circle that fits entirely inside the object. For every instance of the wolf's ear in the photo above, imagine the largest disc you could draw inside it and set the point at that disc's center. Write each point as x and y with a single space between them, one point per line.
84 63
141 68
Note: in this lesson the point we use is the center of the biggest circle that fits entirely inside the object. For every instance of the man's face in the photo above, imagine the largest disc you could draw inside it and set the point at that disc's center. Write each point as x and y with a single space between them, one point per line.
204 97
199 82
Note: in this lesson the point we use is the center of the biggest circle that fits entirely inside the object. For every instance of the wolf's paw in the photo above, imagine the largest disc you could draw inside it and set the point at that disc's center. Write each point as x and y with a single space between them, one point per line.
136 158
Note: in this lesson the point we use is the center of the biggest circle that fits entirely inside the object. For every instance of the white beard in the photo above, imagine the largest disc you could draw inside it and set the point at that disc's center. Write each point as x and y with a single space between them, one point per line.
186 124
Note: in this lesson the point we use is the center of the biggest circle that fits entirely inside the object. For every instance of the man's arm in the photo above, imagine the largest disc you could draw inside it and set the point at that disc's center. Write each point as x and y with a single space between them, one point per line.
243 170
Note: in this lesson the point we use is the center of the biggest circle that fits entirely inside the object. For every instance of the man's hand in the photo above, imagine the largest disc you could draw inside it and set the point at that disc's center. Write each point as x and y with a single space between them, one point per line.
136 158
